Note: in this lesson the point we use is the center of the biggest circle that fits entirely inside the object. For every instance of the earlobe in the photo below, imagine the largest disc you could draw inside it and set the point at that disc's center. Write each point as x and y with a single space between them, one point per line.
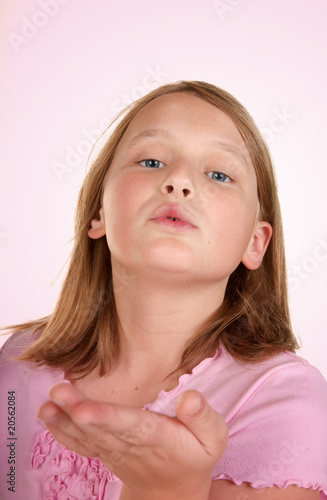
258 245
98 228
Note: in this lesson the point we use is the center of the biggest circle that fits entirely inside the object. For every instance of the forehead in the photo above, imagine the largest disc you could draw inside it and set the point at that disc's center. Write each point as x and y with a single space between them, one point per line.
182 111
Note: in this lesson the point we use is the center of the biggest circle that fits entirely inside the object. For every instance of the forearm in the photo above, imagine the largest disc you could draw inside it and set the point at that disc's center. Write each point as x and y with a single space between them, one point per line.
201 493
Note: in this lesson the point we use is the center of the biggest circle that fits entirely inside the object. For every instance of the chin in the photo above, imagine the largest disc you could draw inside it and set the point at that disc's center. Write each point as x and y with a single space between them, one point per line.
169 257
168 266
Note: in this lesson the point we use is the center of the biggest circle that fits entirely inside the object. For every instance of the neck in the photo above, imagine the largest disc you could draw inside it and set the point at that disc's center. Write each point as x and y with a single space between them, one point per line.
157 319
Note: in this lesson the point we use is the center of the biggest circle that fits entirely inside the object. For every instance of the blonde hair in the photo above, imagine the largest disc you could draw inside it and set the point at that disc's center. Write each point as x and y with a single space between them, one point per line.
253 321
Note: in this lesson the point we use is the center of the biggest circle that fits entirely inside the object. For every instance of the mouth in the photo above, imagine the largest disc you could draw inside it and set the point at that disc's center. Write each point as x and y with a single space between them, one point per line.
173 216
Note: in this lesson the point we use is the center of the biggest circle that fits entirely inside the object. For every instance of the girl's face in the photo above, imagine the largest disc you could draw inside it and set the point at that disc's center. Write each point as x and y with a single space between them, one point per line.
182 158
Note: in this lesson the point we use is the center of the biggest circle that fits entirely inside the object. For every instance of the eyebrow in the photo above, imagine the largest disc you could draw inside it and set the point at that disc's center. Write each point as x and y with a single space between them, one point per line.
146 134
240 154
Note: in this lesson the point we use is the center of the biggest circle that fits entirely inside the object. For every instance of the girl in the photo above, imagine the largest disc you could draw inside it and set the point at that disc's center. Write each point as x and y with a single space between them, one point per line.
170 350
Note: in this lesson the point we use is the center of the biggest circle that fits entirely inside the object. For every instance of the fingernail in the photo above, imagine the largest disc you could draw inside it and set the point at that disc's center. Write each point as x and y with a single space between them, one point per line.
197 405
192 407
59 402
49 419
178 400
52 420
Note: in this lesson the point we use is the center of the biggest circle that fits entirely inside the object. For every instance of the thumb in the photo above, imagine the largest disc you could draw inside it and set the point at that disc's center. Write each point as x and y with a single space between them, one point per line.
207 425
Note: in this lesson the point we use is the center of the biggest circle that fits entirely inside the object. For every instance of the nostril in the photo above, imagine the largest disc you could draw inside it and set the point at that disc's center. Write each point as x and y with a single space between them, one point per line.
171 188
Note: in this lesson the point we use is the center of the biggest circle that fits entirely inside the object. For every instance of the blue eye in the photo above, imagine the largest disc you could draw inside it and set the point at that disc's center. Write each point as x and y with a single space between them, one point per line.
219 176
151 163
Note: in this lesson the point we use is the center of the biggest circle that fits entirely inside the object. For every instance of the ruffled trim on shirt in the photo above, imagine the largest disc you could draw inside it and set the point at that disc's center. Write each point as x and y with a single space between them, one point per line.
69 475
185 376
282 484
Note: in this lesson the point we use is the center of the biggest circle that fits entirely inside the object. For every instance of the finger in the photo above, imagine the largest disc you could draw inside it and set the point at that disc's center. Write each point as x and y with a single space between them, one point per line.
61 426
134 426
63 398
69 441
106 424
208 426
121 420
83 411
56 417
86 440
49 412
57 411
66 395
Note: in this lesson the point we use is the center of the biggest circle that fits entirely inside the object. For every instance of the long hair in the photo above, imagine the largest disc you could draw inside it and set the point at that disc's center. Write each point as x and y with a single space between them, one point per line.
253 322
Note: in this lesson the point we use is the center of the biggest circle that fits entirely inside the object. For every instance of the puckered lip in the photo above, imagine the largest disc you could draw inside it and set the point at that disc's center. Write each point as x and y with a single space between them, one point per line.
174 211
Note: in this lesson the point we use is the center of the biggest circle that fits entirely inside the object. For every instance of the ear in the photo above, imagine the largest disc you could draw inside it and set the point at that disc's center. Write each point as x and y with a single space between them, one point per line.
258 245
98 228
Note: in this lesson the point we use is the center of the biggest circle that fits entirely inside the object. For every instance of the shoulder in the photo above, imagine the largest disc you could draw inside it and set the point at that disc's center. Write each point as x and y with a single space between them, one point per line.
278 425
289 384
289 377
285 390
289 399
16 343
19 374
285 377
23 388
232 386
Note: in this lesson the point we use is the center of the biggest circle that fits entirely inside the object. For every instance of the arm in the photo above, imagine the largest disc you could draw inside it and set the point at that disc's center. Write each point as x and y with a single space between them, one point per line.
227 490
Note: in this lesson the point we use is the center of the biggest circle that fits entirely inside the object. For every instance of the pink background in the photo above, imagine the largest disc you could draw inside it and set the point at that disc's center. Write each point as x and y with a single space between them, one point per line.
69 65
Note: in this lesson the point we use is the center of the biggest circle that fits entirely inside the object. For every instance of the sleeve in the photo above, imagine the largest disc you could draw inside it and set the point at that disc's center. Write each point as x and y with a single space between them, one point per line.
279 435
23 388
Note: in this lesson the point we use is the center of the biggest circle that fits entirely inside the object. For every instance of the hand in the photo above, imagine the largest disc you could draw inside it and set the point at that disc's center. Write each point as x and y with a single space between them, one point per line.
154 455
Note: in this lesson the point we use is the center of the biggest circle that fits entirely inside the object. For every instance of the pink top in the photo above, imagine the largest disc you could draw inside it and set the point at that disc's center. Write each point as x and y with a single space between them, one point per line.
276 412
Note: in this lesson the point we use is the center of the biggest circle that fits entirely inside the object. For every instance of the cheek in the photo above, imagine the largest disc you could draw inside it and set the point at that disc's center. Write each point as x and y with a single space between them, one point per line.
233 222
121 201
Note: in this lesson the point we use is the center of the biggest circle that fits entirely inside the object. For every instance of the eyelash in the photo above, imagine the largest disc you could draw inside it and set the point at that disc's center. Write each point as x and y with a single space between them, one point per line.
149 159
228 179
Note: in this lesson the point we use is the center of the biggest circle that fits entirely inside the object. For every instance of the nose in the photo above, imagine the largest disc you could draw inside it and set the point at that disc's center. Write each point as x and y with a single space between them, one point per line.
178 182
